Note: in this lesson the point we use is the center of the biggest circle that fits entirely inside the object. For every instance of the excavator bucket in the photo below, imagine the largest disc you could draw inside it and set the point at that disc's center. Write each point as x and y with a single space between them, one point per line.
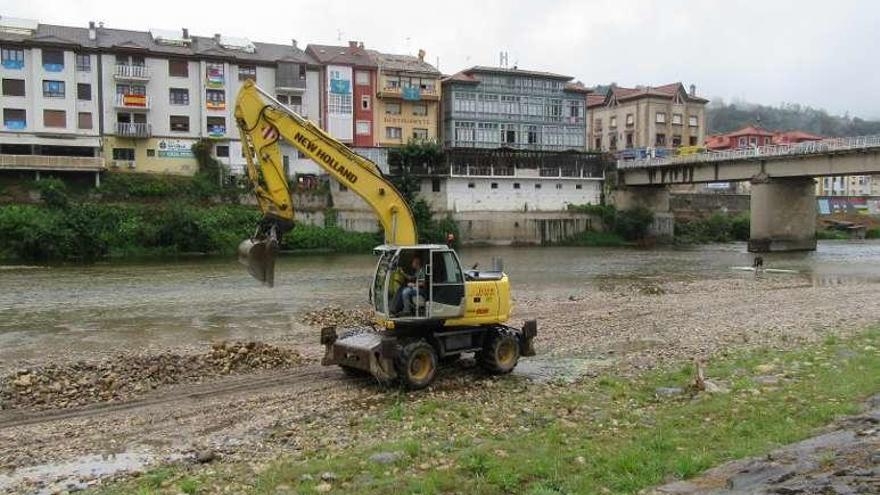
258 255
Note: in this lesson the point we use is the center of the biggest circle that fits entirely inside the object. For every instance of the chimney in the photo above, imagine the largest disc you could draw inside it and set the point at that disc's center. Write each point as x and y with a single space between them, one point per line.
185 33
101 24
293 42
352 44
693 90
361 45
217 37
93 34
421 55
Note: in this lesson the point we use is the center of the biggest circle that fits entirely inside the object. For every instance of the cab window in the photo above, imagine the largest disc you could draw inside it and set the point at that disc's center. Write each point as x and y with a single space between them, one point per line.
445 268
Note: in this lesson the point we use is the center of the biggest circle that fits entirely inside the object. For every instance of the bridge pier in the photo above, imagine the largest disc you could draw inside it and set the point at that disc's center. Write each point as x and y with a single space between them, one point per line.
783 215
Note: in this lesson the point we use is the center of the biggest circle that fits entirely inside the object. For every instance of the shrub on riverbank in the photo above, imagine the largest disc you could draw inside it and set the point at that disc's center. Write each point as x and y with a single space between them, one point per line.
872 234
624 225
719 227
91 231
591 238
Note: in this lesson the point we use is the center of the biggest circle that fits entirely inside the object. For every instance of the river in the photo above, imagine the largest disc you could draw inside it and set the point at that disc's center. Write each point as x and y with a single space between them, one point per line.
102 308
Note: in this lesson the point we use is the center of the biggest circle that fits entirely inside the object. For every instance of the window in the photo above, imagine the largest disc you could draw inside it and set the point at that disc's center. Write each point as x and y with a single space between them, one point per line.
494 185
676 140
222 151
216 126
692 121
134 89
362 78
660 140
178 96
508 133
283 99
597 124
340 104
53 89
84 120
246 72
420 109
630 119
362 128
54 118
83 62
753 141
660 118
392 109
692 141
676 119
420 134
12 58
578 186
742 142
393 132
558 186
598 143
365 102
532 131
537 186
612 122
53 60
151 152
13 87
14 118
178 68
179 123
516 185
216 98
435 184
126 154
471 185
84 91
629 140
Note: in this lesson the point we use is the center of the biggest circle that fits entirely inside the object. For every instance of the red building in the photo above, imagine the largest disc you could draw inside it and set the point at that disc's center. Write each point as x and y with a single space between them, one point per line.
753 136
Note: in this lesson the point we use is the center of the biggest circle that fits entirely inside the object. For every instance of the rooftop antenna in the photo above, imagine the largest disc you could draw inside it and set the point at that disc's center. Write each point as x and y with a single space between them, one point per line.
339 34
437 66
502 59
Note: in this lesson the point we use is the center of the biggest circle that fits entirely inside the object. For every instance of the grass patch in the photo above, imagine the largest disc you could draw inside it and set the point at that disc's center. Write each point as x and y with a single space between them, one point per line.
831 235
608 435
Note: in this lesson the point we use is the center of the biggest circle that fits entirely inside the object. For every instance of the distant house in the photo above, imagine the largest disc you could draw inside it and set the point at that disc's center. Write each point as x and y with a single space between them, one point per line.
753 136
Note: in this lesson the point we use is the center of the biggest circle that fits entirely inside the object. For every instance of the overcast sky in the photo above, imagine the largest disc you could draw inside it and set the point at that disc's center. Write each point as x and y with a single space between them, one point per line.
818 53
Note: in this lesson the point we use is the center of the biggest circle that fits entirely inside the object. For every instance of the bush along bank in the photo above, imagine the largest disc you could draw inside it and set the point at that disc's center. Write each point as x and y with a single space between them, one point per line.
620 227
719 227
93 231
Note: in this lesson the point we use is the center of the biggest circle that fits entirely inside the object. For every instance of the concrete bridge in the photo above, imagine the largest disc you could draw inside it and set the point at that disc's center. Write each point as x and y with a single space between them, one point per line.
783 199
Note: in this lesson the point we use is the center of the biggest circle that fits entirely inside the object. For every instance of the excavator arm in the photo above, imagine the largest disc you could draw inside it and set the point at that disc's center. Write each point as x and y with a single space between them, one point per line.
263 122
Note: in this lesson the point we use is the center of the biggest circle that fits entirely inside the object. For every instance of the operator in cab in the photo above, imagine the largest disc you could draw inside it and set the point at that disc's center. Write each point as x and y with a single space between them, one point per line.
412 284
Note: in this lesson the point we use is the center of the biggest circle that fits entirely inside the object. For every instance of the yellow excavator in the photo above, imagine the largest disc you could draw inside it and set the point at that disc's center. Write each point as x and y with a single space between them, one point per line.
428 310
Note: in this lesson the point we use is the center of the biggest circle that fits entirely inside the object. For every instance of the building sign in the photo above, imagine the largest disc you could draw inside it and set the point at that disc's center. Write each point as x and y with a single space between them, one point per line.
411 93
173 148
396 120
718 185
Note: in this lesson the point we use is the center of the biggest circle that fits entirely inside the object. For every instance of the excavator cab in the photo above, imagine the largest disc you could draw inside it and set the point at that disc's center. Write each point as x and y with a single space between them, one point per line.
417 283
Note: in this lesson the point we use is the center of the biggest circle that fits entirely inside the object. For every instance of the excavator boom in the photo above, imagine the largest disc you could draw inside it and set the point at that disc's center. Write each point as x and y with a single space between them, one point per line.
263 122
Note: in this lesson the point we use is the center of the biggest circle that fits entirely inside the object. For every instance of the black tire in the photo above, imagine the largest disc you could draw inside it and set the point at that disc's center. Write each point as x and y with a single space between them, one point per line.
417 365
500 352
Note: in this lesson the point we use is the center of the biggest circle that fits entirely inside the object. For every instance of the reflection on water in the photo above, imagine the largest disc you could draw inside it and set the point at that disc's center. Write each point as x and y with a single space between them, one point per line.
106 306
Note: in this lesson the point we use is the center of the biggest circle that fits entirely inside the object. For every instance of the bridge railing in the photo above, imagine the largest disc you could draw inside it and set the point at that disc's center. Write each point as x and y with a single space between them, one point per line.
772 150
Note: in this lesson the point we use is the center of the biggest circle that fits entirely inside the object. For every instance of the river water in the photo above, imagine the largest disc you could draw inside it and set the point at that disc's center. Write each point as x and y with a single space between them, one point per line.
74 309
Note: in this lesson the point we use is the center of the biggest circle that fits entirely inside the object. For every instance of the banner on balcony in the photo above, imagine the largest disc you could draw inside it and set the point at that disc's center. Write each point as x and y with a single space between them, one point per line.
174 148
134 100
412 93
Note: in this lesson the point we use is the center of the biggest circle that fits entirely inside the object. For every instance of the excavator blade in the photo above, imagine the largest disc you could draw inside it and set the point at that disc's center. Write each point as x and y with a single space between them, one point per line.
259 258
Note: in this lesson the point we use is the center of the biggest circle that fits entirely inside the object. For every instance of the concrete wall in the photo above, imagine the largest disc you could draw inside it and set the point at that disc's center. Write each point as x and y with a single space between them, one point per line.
506 228
701 205
462 194
783 215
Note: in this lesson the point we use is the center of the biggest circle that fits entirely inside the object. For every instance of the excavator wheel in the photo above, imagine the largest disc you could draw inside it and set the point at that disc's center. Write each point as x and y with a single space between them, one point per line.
500 352
417 365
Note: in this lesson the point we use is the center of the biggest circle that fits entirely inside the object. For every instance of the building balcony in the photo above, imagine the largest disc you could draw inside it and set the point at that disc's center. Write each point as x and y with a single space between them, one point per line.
410 93
215 105
125 72
133 130
132 102
40 162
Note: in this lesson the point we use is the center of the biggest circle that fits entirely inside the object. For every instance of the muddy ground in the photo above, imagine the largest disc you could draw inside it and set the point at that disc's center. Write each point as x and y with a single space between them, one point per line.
258 412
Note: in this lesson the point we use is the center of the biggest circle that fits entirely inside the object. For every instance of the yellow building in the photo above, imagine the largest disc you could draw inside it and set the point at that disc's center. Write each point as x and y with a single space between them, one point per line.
407 99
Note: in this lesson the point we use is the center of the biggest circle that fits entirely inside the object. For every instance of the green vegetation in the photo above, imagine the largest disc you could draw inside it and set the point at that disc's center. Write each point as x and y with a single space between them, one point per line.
719 227
721 117
832 235
591 238
604 435
873 233
618 225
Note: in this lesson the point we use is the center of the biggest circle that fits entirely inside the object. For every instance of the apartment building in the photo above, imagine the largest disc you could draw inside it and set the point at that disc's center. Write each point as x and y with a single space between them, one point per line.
407 104
139 100
515 141
348 86
646 117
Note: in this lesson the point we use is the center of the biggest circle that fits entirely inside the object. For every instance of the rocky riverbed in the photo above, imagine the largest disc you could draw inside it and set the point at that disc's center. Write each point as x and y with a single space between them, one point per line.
623 328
